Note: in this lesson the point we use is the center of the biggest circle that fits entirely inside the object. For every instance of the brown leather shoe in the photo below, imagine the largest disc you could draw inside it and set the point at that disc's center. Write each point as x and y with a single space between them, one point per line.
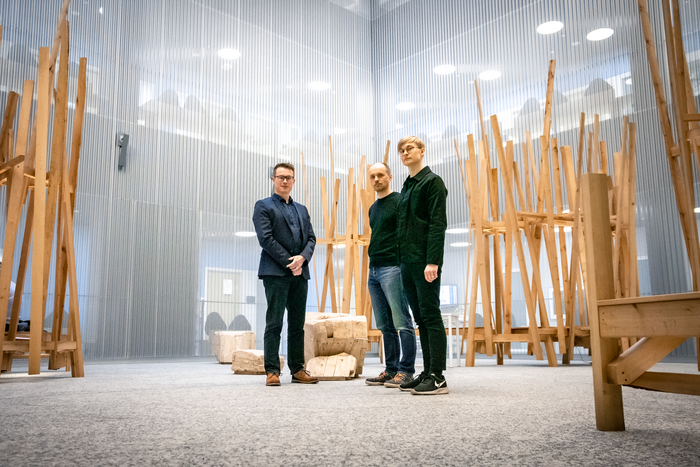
303 377
272 380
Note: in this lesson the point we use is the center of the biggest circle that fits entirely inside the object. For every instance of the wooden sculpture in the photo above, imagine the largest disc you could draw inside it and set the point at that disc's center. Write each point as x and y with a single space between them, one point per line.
686 118
356 257
530 221
666 321
26 174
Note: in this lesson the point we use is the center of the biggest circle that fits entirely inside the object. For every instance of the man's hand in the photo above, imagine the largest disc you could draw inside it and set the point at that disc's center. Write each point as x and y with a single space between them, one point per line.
296 264
431 272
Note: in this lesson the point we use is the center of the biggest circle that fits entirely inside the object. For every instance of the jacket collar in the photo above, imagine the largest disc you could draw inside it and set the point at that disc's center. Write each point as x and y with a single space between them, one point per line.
420 175
278 198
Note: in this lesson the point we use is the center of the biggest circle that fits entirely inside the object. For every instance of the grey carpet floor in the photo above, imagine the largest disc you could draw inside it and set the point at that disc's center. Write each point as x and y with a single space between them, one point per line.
196 412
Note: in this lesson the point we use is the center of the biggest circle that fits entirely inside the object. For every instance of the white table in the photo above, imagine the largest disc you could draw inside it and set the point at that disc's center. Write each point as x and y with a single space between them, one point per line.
452 321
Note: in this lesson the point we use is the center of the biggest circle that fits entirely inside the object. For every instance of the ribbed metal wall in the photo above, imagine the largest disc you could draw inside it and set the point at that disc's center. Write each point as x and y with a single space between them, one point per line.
610 77
204 131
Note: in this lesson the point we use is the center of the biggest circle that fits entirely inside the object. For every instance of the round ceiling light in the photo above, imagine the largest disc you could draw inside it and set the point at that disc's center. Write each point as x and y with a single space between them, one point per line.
489 75
458 230
550 27
444 69
600 34
229 54
460 244
319 85
245 234
405 106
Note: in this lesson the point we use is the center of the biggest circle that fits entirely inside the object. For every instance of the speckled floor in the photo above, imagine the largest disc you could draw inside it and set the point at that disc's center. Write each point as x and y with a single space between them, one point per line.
197 412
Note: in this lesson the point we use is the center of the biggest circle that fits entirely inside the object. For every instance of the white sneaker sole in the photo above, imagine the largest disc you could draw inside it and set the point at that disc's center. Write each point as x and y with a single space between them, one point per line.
431 393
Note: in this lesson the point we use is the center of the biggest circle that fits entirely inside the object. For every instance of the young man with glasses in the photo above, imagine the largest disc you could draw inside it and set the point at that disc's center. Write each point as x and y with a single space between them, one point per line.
385 285
422 221
288 241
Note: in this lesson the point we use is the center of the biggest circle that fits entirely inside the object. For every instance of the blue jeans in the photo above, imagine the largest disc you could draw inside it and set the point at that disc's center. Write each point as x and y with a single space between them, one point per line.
393 319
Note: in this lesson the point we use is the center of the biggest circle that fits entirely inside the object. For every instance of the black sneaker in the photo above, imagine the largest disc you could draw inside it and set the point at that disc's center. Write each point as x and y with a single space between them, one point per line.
398 380
430 386
383 377
412 383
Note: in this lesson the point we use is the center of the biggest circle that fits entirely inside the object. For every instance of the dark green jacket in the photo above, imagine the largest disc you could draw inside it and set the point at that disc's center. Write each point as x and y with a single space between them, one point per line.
422 219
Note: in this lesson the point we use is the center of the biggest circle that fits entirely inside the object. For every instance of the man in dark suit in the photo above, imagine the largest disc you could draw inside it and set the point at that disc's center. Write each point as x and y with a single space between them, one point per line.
288 241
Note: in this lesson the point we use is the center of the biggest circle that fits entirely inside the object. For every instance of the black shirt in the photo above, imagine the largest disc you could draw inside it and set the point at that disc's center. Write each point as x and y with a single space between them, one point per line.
382 220
422 219
292 216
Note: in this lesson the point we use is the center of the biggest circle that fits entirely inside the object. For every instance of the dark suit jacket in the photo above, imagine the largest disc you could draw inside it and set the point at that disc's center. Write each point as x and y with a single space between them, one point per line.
275 238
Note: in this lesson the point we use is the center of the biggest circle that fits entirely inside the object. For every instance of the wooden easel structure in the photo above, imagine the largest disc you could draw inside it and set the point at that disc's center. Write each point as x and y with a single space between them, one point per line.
24 173
539 218
360 197
686 119
666 321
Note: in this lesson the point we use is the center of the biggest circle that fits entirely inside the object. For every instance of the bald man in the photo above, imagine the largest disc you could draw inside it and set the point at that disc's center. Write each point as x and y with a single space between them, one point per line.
386 287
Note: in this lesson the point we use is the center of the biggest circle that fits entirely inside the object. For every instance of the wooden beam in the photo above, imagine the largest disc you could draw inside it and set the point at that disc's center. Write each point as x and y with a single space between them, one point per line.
37 302
598 238
675 383
670 318
7 123
646 353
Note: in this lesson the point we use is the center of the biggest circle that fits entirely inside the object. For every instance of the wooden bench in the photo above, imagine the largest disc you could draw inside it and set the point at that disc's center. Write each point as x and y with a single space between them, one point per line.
664 321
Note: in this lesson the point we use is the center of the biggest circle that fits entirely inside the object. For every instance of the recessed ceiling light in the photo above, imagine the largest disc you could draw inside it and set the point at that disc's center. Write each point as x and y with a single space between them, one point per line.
459 244
457 230
319 85
229 54
550 27
628 81
444 69
600 34
244 233
697 210
489 75
405 106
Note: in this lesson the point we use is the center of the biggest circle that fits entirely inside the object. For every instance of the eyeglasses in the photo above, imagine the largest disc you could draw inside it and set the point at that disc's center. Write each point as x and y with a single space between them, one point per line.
406 149
284 178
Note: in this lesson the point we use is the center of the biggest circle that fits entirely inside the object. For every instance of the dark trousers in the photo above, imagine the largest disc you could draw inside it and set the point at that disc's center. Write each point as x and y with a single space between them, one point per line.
285 292
424 300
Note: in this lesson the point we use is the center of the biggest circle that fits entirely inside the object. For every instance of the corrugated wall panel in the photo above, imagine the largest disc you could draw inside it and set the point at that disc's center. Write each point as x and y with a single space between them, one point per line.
204 130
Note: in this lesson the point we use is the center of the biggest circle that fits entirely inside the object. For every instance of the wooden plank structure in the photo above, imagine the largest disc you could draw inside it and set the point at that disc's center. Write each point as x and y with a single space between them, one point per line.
666 321
529 221
50 195
355 242
686 118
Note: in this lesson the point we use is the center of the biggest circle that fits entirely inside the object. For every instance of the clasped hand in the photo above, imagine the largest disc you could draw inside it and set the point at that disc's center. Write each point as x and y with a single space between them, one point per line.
296 264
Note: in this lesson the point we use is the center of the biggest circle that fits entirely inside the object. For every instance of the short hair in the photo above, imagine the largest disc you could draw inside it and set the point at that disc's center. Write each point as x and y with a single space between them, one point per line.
284 165
410 139
388 170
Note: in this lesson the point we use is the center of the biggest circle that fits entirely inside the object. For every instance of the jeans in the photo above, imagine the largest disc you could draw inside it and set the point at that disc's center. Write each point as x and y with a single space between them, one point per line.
391 313
285 292
424 299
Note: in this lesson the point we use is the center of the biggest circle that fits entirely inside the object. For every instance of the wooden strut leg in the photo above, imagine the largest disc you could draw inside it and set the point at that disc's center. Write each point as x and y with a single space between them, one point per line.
598 238
42 118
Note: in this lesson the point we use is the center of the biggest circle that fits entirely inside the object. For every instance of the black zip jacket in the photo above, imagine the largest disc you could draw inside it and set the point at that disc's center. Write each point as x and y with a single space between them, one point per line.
422 219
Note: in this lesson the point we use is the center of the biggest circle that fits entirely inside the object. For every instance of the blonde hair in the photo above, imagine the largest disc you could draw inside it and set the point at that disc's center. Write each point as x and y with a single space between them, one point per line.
410 139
